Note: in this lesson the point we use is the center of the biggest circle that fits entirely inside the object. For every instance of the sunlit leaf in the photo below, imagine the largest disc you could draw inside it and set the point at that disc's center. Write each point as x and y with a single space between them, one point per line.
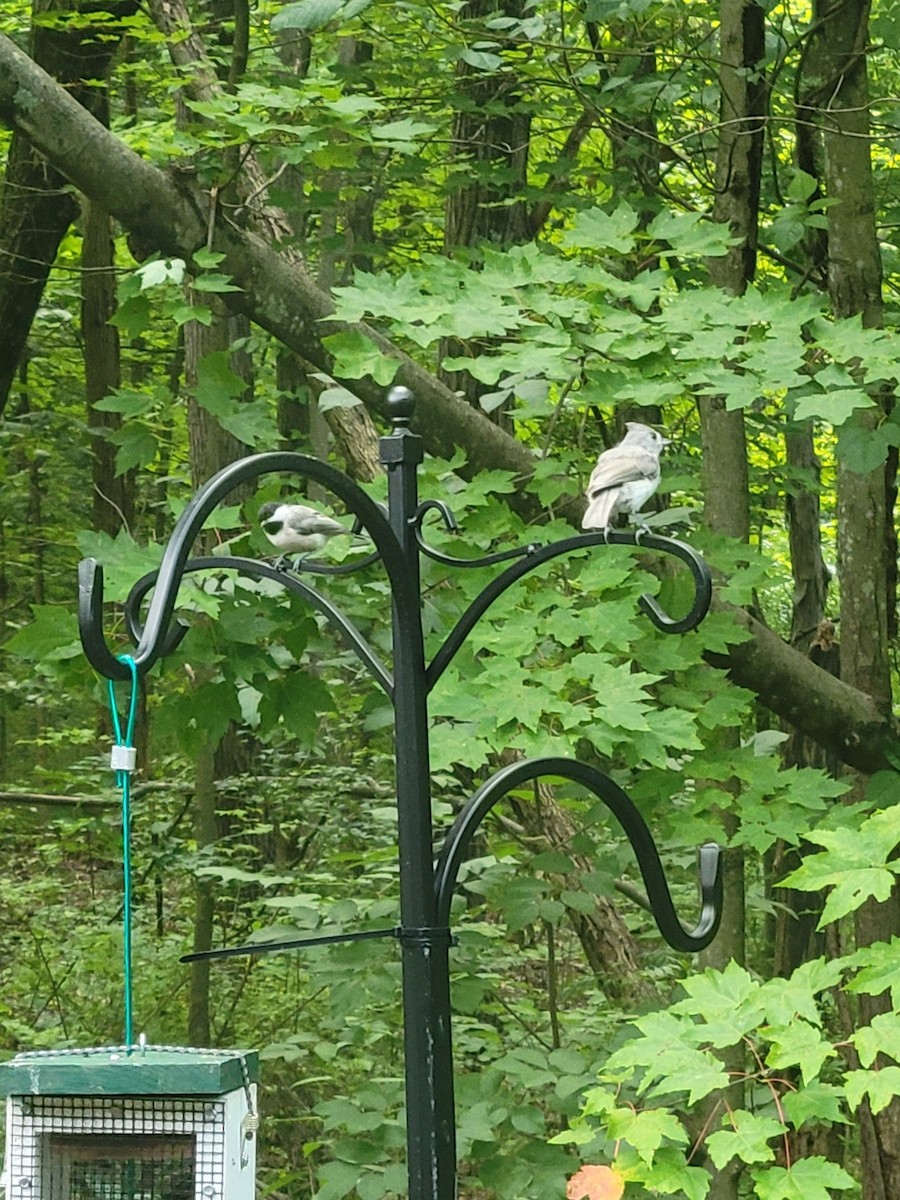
595 1182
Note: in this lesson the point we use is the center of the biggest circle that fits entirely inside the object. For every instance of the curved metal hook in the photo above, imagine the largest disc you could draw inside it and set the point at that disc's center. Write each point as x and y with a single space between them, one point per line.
90 624
625 812
262 570
90 621
156 636
698 568
445 510
449 560
541 554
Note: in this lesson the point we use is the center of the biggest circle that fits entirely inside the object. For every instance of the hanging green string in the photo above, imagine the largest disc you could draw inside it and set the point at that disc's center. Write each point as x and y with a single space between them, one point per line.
123 763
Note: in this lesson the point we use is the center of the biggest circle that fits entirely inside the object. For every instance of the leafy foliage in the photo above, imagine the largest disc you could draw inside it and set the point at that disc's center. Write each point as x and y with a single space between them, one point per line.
606 307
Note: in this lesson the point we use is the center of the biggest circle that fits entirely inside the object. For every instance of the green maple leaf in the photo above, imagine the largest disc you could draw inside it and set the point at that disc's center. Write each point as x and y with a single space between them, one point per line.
853 889
798 1044
855 868
356 355
816 1102
217 383
713 991
698 1073
807 1179
646 1130
307 15
748 1140
50 636
598 230
670 1175
835 407
671 1058
688 233
882 1036
137 446
786 999
879 970
880 1086
862 450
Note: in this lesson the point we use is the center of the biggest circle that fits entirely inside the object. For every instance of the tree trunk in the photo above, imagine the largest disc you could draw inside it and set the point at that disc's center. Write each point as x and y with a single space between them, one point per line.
113 494
725 463
36 209
839 94
794 936
489 148
488 172
742 49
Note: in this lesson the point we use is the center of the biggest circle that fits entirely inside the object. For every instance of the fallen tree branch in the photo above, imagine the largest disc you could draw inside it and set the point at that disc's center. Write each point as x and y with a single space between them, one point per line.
172 215
32 799
845 721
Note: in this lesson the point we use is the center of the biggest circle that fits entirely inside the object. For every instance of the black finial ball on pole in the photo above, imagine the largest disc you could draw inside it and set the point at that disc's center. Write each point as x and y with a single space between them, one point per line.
401 405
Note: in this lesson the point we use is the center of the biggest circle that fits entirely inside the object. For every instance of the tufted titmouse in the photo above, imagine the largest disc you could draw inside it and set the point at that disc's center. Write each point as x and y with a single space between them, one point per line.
625 477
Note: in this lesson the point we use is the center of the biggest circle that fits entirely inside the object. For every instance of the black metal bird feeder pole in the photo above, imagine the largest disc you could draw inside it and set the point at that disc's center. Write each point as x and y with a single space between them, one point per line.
426 886
430 1122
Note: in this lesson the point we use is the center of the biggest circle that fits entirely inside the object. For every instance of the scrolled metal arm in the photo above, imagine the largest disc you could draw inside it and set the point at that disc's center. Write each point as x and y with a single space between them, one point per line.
670 926
449 560
158 636
536 555
261 570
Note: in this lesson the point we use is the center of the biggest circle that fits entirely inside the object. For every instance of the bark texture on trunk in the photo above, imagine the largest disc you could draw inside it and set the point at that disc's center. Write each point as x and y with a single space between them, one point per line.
36 208
742 49
725 460
839 97
489 147
113 499
794 936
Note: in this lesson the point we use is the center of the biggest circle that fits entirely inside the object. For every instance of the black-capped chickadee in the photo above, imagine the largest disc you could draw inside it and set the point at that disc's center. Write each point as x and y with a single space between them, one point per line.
297 528
625 477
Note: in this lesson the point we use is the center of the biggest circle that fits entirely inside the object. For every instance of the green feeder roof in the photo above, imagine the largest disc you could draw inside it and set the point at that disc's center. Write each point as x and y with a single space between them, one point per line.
137 1071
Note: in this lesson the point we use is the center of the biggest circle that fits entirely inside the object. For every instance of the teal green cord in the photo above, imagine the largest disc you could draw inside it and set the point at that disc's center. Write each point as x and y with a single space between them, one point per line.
123 780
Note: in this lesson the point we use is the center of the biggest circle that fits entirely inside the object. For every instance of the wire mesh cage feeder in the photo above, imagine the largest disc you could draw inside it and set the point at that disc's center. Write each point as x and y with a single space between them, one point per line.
131 1124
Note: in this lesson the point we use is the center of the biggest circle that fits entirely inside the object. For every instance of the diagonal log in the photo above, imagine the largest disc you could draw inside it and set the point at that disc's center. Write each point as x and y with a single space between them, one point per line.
842 719
175 217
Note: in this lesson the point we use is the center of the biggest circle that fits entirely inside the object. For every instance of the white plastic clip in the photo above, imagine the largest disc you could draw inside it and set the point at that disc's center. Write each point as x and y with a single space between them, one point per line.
123 758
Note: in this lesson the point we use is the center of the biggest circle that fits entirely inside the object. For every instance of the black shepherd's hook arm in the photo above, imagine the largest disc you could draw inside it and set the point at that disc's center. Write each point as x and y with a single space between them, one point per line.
159 636
623 809
534 555
261 570
450 522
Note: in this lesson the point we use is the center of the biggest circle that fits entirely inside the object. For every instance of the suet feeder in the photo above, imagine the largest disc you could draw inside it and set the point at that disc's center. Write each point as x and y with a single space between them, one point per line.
137 1123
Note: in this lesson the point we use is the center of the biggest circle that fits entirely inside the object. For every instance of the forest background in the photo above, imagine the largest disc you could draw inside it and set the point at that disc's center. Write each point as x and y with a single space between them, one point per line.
228 227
